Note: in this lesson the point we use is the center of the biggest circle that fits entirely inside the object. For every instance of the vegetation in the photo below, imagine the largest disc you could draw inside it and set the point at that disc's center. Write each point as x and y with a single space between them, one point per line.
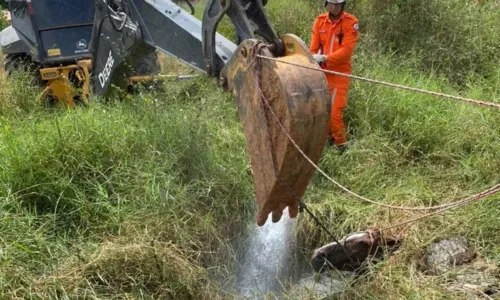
141 198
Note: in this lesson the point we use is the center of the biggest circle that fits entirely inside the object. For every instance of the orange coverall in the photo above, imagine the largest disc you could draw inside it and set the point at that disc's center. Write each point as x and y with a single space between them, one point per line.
325 40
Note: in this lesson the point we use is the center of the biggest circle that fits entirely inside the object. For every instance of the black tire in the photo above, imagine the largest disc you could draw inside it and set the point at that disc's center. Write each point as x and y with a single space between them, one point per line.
144 62
147 65
21 62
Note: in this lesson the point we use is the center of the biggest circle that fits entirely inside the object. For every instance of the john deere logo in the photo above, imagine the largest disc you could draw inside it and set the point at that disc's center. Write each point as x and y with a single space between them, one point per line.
82 44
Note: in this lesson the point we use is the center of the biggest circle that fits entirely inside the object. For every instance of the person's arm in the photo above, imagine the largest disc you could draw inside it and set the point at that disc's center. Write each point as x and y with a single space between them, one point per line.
315 38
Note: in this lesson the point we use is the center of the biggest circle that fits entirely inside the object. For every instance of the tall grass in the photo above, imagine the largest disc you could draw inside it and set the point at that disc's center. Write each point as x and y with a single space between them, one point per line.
155 173
458 39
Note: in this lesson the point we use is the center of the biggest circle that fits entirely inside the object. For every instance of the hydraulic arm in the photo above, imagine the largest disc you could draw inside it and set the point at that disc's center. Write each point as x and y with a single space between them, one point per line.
120 26
277 103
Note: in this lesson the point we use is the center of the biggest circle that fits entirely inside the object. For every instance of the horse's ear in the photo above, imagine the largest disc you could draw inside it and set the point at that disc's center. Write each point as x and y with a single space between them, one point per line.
391 240
382 239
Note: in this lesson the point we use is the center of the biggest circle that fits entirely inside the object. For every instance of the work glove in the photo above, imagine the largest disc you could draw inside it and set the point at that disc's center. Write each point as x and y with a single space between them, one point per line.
319 58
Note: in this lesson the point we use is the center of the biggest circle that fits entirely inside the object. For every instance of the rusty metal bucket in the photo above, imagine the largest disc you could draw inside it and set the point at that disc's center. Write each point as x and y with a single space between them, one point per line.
300 102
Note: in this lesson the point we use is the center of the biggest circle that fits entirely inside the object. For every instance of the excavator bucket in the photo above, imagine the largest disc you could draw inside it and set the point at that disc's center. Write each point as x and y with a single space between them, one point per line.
279 105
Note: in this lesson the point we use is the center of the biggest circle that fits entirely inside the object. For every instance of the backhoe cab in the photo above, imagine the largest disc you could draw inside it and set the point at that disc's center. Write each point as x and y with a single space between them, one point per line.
50 39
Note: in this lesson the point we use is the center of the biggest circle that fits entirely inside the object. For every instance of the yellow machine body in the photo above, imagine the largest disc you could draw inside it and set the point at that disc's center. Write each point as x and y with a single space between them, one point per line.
70 84
67 84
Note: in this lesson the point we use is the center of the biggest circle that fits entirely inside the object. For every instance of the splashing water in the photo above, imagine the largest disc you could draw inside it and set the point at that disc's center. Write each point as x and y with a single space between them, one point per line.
267 258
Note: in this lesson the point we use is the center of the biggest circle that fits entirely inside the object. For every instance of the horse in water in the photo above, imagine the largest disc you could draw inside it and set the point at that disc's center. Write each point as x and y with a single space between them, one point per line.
351 253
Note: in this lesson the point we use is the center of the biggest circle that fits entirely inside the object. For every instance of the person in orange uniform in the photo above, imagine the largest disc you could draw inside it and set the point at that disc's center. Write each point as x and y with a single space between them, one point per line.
334 37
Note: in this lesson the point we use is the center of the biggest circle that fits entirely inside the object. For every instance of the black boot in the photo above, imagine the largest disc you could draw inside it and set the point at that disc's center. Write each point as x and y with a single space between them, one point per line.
342 148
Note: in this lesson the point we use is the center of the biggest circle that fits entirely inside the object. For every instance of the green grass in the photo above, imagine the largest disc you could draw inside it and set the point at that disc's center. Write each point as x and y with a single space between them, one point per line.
410 149
140 199
75 184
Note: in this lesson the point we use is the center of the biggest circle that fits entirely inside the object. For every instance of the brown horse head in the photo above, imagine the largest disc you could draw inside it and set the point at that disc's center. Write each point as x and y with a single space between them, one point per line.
359 246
